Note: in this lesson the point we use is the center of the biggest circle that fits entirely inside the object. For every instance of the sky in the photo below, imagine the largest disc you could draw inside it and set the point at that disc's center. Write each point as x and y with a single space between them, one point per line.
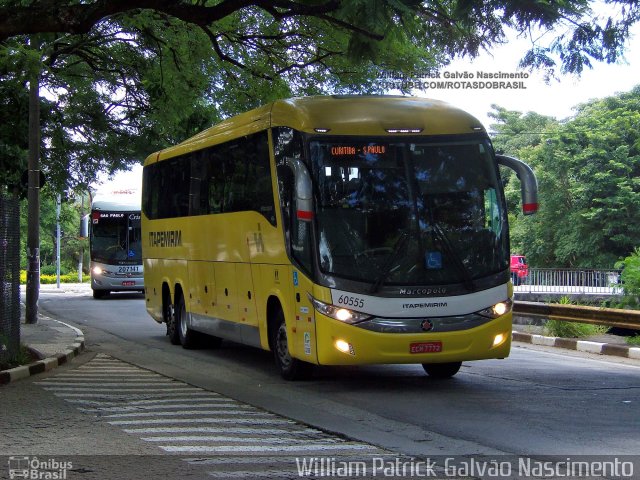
556 98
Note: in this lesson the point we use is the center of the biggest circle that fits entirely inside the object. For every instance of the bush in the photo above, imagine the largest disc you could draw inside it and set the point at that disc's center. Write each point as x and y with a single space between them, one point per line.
563 329
51 270
71 277
68 278
630 278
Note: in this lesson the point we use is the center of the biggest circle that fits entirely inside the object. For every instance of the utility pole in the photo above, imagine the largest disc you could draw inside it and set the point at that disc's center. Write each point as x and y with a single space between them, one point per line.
81 248
58 204
33 196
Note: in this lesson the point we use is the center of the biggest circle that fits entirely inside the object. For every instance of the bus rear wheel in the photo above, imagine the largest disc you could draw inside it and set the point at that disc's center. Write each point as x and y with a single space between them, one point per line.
187 337
442 370
290 368
170 319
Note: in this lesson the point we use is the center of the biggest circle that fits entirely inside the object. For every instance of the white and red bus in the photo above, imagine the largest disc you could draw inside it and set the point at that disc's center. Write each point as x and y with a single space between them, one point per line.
115 243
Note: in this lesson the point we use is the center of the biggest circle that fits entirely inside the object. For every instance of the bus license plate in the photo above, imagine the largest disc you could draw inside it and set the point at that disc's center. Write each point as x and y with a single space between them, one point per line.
129 283
129 269
425 347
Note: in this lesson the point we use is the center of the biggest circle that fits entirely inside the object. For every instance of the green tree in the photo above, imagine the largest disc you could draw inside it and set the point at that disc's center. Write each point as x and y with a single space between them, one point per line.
71 246
588 169
126 78
13 142
631 280
521 135
141 79
458 26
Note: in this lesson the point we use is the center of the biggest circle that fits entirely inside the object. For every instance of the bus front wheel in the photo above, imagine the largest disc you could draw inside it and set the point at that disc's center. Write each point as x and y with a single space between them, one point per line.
100 293
290 368
442 370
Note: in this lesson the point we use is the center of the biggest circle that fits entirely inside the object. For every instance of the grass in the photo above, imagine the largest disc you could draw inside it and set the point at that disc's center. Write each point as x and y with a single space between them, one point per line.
564 329
634 341
22 357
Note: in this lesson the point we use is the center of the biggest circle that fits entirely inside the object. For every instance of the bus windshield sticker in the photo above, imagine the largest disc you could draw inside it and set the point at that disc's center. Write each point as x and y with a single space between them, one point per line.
433 260
307 343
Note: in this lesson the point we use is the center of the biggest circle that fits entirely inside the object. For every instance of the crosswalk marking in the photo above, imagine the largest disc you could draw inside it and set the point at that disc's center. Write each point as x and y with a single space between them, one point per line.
221 449
231 439
234 430
193 401
162 413
242 421
219 438
132 408
120 395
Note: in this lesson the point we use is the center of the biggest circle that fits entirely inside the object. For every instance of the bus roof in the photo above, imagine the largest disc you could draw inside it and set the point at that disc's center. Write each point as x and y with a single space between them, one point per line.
338 115
117 200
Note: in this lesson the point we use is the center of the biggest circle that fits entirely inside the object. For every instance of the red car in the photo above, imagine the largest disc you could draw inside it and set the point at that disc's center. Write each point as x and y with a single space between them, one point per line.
519 269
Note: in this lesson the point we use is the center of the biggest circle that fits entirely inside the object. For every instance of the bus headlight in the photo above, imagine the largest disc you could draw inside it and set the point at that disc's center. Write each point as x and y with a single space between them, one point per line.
98 270
497 310
339 313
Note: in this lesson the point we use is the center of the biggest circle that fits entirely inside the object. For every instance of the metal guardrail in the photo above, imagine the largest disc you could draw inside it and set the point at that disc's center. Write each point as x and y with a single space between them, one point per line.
570 280
612 317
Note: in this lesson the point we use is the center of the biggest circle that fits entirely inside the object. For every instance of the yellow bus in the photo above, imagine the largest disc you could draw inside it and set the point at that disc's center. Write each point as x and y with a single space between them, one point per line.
335 230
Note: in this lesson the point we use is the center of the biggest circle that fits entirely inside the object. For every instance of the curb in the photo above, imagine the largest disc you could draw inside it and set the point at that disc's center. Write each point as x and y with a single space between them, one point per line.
25 371
579 345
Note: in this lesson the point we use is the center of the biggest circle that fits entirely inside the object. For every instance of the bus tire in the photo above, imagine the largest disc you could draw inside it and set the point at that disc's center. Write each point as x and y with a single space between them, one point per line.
98 294
186 337
170 318
290 368
442 370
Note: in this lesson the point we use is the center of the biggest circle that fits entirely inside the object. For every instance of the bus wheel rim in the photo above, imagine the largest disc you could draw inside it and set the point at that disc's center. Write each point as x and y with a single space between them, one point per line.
183 321
282 347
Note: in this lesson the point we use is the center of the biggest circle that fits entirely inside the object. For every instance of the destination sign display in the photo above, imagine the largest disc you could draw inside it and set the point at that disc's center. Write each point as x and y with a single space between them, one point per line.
350 150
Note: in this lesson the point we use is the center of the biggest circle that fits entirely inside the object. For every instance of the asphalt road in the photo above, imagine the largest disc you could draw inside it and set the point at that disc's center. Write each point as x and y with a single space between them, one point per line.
537 402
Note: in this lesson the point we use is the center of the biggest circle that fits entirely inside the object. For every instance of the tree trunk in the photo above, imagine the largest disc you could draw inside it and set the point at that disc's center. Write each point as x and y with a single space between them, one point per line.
33 227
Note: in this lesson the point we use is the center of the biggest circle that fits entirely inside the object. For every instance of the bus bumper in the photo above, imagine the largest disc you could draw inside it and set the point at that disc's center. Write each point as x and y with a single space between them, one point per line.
343 344
116 284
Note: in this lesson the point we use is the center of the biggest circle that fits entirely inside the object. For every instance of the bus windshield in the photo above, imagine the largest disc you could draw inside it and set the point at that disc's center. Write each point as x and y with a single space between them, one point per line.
408 212
115 238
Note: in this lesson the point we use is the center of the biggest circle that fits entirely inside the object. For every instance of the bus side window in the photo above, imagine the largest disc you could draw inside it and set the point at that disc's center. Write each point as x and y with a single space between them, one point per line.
212 181
214 196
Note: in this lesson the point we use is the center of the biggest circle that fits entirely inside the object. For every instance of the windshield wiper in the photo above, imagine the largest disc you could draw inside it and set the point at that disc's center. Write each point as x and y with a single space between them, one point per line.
451 251
391 260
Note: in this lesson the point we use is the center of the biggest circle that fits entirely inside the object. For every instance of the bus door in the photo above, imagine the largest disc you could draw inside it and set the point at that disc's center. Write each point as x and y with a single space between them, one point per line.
300 217
304 326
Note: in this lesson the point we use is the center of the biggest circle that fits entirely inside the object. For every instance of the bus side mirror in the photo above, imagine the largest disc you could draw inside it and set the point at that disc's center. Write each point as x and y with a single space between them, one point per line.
528 182
84 226
303 189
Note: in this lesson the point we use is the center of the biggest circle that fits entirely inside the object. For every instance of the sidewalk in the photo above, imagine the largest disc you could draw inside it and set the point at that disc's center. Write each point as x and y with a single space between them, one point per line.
52 341
603 344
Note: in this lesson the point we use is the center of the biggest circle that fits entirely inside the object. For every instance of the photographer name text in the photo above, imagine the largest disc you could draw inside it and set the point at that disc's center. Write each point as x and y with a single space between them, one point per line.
457 80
